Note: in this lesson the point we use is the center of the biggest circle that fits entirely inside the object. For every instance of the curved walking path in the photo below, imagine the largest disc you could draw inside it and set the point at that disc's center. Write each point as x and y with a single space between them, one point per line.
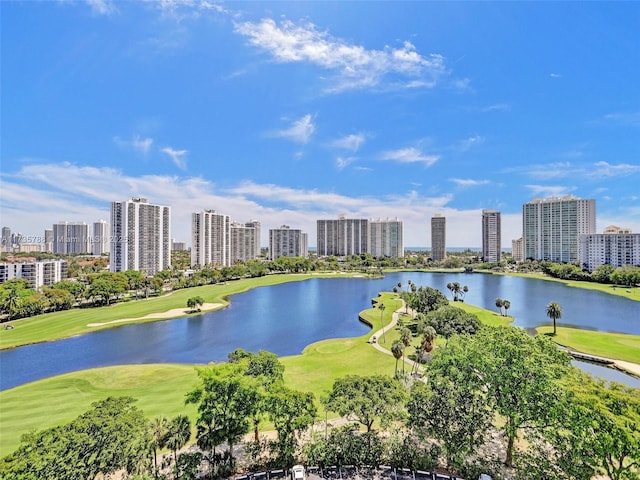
380 334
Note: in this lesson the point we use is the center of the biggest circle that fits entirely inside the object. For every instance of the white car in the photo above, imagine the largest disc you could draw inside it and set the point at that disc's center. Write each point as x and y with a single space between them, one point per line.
297 473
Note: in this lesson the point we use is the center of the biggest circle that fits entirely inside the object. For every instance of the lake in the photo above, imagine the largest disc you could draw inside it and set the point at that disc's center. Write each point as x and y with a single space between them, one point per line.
285 318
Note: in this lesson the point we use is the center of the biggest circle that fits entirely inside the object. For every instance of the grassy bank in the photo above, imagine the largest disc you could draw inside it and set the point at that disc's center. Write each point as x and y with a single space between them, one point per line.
618 346
53 326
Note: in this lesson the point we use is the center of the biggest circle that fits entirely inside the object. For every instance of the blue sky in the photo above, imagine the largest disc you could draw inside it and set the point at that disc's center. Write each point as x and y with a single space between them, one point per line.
288 112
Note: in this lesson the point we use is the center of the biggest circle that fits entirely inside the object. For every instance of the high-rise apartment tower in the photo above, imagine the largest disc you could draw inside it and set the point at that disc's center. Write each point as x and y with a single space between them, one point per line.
344 236
438 238
140 236
210 239
386 238
287 242
491 247
551 227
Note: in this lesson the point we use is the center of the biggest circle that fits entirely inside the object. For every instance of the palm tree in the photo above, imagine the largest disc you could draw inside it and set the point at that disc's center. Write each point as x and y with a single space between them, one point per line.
11 303
554 312
382 307
397 349
178 435
405 338
465 289
158 427
507 305
428 337
499 304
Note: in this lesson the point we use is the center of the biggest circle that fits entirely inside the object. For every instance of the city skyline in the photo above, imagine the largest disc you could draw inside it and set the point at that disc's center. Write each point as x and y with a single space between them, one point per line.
291 112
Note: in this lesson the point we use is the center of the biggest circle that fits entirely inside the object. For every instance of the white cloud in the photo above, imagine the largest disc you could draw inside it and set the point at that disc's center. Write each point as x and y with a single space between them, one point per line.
177 156
102 7
469 182
501 107
628 119
300 130
137 143
549 190
354 66
351 142
470 142
604 169
40 194
555 75
410 155
342 162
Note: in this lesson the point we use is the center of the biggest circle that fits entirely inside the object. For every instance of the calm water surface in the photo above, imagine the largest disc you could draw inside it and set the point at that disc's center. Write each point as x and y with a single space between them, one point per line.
286 318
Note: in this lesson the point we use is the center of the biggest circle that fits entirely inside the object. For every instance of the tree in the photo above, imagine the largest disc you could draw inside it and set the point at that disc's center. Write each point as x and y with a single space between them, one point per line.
158 430
382 307
600 429
366 398
110 436
554 312
405 338
426 299
228 399
499 305
521 375
449 320
290 411
452 404
177 435
195 302
506 304
397 350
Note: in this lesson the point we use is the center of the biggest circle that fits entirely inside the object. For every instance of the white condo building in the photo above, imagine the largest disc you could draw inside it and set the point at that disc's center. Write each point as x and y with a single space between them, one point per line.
517 251
210 239
244 241
38 274
71 237
100 237
140 236
287 242
386 238
551 227
344 236
616 247
438 238
491 232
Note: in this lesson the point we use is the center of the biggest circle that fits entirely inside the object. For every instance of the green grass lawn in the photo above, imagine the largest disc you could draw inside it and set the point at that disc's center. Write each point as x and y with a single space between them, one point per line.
618 346
53 326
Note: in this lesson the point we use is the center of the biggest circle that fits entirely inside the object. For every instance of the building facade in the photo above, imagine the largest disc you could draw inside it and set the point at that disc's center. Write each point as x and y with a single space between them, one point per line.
245 241
386 238
210 239
438 238
517 252
551 227
609 248
100 239
341 237
71 238
287 242
140 236
39 274
491 233
6 240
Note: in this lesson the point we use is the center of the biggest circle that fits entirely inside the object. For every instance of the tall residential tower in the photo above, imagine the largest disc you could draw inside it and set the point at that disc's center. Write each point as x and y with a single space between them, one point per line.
344 236
551 228
140 236
491 248
210 239
438 238
386 238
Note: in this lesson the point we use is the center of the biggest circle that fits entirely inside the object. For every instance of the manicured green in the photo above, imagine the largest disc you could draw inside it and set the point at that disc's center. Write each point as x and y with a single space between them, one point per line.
160 390
618 346
53 326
